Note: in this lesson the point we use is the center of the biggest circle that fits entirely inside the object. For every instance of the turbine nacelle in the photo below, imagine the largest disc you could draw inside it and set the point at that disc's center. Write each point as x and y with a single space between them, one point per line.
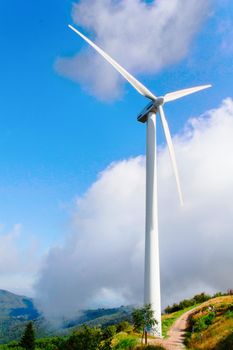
151 107
142 117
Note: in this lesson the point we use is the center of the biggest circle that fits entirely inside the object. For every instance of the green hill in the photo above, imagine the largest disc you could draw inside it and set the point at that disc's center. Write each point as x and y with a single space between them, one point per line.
16 311
210 324
16 306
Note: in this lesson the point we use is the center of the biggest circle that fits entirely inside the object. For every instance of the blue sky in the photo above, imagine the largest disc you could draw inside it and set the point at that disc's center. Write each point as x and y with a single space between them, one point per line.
56 137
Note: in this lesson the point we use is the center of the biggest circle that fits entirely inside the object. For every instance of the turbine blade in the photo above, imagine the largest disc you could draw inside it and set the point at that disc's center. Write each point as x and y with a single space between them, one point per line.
181 93
133 81
171 151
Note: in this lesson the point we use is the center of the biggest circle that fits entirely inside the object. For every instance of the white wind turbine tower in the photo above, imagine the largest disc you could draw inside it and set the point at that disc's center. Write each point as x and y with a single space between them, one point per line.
148 116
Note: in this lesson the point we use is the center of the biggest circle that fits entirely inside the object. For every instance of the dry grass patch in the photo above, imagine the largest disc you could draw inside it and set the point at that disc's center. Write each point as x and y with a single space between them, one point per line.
211 323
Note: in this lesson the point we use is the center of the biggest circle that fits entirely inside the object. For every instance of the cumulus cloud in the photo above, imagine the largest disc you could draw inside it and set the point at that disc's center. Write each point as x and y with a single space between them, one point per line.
106 247
101 261
143 36
19 262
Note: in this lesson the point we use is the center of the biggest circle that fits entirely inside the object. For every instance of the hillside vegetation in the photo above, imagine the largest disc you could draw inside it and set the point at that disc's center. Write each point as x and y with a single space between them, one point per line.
211 325
15 312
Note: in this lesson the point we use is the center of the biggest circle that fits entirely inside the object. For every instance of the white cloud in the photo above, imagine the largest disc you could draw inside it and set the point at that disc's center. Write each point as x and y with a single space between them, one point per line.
101 262
144 37
19 261
102 254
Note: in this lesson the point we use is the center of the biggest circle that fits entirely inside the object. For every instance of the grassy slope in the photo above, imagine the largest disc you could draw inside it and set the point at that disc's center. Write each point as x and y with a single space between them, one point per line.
169 319
219 334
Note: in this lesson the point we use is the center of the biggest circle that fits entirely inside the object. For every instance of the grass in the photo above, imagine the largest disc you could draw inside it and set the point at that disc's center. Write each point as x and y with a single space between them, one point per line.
214 334
169 319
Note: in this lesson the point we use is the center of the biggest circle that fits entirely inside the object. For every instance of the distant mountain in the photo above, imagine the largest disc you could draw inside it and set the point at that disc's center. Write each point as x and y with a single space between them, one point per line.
16 311
98 317
17 306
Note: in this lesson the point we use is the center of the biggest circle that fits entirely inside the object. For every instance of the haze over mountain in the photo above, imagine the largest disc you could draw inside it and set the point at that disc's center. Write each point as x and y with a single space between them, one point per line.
16 311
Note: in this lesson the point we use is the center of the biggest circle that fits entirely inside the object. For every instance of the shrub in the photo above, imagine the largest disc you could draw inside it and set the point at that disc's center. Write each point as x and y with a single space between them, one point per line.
109 332
50 343
126 343
229 314
201 298
13 344
122 326
85 338
197 299
203 322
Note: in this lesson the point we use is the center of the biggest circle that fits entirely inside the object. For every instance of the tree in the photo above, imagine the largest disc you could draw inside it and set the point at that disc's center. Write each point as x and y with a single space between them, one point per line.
28 338
85 338
123 326
143 320
109 332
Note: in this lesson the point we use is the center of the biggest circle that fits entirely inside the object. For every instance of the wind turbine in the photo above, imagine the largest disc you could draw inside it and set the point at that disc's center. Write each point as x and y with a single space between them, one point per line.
148 116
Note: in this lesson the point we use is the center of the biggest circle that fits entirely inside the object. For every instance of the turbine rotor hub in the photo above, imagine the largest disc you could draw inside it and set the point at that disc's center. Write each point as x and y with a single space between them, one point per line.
159 101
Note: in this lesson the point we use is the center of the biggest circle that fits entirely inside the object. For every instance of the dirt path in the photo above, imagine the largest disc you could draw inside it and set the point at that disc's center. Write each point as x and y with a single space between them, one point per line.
175 335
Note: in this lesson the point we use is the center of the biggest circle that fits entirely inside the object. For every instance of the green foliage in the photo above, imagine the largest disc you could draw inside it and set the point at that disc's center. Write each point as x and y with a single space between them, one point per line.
12 345
109 332
101 317
229 314
85 338
201 298
143 318
168 320
138 320
107 335
16 311
17 347
218 294
122 326
197 299
211 325
126 343
28 338
203 322
50 343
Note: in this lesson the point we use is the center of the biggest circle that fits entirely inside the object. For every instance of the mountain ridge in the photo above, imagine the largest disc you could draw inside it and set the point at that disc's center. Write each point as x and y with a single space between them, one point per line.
17 310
